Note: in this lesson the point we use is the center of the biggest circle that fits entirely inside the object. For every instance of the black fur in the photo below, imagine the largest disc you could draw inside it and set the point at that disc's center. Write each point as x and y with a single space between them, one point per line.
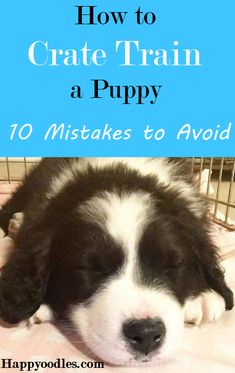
61 260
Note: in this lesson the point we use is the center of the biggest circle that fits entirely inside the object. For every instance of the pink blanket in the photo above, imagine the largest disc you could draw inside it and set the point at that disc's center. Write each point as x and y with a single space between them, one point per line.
208 348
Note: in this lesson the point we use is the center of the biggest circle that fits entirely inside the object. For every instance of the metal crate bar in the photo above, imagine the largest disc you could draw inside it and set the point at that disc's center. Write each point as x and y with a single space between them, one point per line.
230 204
218 187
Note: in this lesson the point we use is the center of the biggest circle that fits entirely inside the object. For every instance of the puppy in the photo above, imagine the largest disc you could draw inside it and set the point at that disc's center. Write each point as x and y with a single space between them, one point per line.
121 247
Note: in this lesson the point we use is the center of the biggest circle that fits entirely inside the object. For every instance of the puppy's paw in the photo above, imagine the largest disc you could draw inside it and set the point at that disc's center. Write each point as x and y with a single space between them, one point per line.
2 233
213 306
43 315
193 311
15 223
208 307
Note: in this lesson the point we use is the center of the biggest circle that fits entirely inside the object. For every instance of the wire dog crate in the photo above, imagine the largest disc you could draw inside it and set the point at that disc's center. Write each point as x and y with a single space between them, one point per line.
217 175
219 187
12 170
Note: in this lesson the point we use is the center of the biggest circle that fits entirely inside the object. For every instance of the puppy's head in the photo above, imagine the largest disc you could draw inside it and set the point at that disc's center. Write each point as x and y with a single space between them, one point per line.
130 262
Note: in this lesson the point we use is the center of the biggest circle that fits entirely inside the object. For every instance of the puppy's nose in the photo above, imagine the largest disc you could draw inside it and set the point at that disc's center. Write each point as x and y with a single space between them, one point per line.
144 335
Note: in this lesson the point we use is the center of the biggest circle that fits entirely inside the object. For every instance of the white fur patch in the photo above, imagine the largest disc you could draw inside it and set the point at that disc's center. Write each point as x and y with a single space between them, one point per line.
208 307
123 217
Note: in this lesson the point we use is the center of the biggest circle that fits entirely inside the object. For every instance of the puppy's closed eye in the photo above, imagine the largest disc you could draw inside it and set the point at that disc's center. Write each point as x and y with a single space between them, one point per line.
172 260
93 270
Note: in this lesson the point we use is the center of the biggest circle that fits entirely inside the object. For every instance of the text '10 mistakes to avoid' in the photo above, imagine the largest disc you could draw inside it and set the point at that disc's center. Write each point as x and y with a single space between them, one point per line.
68 133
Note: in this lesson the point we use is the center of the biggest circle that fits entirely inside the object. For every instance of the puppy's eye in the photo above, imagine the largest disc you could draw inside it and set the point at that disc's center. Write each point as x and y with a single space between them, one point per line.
171 265
170 268
95 271
86 268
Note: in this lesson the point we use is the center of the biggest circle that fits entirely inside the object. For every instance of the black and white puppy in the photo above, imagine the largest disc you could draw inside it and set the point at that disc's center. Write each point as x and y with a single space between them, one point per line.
120 246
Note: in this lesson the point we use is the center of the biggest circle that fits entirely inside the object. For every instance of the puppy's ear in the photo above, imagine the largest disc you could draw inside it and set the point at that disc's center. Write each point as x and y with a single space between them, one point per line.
215 278
23 280
214 274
